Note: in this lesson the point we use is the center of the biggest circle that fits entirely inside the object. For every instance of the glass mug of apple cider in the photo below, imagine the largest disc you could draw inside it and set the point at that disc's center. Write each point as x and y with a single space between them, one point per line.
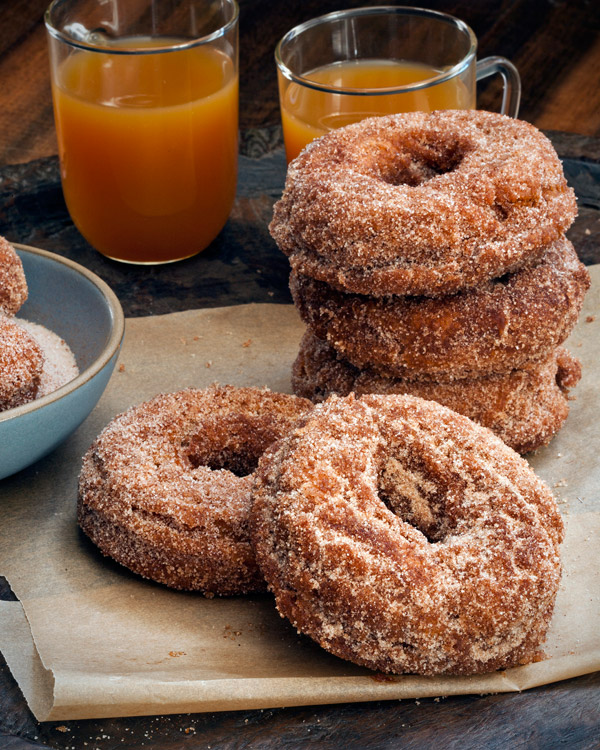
146 109
348 65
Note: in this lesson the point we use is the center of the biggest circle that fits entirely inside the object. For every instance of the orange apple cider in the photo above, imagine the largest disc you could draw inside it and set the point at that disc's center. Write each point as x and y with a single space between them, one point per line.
308 113
148 149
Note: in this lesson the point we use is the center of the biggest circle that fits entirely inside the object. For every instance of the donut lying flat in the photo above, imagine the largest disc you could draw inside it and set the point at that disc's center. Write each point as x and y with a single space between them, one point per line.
422 203
525 408
500 326
406 538
165 488
13 286
21 364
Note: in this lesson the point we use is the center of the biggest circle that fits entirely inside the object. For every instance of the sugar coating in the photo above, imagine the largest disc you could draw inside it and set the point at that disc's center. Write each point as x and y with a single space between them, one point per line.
406 538
59 365
525 407
165 488
422 203
21 364
34 361
13 287
501 325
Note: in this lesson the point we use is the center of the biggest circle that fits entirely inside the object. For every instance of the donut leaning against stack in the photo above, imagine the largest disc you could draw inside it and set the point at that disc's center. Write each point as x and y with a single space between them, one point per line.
428 250
402 536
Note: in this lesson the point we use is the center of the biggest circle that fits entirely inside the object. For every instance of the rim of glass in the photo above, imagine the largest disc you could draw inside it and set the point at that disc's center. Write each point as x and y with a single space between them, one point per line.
56 33
400 10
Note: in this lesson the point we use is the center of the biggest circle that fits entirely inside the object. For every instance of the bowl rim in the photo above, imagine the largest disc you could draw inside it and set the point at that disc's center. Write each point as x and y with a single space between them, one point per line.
114 342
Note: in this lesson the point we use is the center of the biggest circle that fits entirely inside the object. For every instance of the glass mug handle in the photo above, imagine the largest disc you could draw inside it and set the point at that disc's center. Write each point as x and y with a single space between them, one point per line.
511 97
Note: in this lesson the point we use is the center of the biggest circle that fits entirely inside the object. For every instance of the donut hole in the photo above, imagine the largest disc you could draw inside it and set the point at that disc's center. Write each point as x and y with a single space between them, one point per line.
408 490
233 443
503 280
500 211
418 163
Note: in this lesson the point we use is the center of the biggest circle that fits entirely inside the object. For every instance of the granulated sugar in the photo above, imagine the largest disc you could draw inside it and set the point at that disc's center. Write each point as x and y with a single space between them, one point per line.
59 361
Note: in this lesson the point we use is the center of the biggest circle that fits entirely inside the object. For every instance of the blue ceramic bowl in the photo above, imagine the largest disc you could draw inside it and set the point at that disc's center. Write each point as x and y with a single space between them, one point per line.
78 306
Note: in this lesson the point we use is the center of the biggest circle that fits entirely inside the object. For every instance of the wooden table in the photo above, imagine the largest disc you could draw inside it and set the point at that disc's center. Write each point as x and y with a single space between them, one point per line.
557 49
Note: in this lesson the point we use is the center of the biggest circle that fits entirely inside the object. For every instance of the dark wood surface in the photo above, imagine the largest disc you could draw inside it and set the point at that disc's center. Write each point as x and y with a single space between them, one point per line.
243 264
556 45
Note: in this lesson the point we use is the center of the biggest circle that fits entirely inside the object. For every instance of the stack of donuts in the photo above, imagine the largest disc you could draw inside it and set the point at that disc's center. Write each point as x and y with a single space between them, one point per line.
33 360
428 257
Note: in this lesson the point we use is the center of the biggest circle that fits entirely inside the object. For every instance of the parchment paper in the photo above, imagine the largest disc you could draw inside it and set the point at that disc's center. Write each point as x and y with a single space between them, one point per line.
89 639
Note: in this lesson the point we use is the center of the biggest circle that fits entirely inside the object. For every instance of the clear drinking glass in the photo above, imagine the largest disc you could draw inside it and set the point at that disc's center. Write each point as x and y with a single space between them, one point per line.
145 99
348 65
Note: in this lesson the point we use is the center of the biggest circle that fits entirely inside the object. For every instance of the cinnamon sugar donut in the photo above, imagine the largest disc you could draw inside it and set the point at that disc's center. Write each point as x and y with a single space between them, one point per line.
422 203
13 287
21 364
500 326
524 407
165 488
406 538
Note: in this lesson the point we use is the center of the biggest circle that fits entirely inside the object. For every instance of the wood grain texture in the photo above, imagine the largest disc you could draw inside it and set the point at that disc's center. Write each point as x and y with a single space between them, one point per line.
243 264
554 43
